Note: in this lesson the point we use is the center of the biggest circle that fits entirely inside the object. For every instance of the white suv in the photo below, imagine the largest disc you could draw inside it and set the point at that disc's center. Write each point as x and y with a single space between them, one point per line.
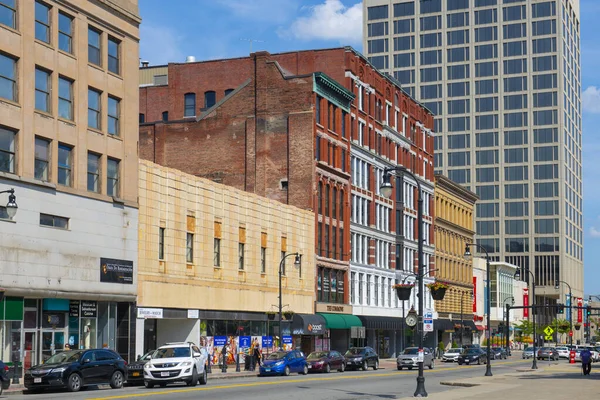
176 362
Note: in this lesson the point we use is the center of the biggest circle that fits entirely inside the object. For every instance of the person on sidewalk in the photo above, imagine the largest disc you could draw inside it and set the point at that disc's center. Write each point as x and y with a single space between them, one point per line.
586 361
257 357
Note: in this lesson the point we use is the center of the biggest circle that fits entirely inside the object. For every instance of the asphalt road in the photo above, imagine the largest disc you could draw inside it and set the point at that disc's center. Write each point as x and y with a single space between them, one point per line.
381 384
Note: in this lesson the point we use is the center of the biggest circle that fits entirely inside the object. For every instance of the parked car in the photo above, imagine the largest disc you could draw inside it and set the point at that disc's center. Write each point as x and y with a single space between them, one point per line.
498 353
472 356
361 357
176 362
549 353
409 358
451 355
595 354
471 346
284 363
563 352
74 369
528 353
135 370
325 361
4 379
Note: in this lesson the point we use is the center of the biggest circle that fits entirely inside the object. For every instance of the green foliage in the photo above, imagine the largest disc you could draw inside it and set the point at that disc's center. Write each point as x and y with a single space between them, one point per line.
526 327
454 344
441 346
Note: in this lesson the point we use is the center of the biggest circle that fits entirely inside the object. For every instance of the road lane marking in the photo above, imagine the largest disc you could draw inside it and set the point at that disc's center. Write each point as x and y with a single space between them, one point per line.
282 382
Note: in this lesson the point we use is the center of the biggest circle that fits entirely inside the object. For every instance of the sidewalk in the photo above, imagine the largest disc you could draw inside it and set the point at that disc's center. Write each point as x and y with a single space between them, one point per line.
556 382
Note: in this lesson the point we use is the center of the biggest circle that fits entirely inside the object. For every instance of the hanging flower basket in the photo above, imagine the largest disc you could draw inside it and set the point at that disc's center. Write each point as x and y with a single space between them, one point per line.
288 315
403 290
577 327
438 289
271 316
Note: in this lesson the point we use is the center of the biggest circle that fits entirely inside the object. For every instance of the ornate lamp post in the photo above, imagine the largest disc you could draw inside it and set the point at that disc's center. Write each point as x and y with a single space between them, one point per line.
11 206
507 319
297 261
518 277
557 286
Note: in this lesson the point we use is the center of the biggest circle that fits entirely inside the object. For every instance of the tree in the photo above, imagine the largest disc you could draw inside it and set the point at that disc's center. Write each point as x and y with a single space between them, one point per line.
562 326
525 326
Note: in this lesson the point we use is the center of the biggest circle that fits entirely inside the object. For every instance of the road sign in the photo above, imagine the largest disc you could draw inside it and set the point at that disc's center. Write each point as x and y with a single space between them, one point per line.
428 321
549 338
548 331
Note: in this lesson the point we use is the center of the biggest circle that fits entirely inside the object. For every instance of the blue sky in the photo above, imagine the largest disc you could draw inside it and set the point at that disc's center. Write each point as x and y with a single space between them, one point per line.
212 29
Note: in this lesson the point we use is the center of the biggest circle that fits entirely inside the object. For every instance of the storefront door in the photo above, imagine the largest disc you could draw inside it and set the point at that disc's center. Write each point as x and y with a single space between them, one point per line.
30 350
52 342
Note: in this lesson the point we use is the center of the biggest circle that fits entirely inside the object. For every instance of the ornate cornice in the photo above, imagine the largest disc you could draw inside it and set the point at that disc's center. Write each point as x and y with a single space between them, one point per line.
328 88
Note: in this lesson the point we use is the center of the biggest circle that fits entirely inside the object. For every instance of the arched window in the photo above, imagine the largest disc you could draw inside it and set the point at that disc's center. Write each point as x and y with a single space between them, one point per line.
334 204
341 217
327 200
190 105
210 98
227 91
320 199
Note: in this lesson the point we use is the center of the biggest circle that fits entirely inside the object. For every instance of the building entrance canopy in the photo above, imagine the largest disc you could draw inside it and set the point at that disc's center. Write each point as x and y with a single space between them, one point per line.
341 321
308 324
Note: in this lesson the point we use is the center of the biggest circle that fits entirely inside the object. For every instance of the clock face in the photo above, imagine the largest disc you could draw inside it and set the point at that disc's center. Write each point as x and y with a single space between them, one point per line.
411 320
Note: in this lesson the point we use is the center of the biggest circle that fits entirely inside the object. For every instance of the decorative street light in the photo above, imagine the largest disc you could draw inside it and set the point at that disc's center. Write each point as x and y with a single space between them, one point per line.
386 190
557 286
11 206
533 310
462 322
488 364
506 316
297 261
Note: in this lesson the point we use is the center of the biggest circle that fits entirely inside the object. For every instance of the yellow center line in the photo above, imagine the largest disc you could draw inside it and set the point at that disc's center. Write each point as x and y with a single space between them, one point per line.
282 382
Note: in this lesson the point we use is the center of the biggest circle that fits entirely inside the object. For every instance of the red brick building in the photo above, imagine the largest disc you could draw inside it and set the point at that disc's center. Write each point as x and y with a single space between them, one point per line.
289 127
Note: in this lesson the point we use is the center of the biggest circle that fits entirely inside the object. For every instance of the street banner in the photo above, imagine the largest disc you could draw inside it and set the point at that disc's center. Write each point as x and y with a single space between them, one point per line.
579 310
474 295
568 307
525 302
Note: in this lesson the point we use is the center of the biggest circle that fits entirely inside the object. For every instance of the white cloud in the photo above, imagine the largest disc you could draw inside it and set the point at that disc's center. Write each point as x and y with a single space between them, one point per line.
591 99
160 45
595 233
329 21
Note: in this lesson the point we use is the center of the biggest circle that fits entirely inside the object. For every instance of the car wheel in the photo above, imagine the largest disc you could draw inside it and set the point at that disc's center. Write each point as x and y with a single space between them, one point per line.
365 365
342 368
116 381
194 379
327 368
305 370
376 366
74 383
148 385
204 377
286 371
431 365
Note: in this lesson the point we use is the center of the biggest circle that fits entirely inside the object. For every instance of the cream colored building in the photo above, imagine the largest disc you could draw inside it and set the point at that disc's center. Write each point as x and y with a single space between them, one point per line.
68 147
209 258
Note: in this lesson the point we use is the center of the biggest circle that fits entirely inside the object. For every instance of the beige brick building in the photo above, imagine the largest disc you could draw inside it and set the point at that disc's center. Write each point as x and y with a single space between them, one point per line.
209 256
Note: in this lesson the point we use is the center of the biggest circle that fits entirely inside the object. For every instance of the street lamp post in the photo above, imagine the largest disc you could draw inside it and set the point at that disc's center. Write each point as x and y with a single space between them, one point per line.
297 261
488 365
557 286
386 190
11 206
533 310
507 319
462 323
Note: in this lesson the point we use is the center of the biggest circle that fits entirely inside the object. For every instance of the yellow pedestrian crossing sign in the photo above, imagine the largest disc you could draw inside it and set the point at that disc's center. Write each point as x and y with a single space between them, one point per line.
548 331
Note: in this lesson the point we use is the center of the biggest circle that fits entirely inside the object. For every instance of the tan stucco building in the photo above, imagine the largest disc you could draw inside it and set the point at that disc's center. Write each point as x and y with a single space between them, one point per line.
453 227
209 258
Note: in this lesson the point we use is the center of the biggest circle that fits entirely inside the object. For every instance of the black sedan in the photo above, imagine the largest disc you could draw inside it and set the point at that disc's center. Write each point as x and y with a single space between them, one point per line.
472 356
361 357
135 370
75 369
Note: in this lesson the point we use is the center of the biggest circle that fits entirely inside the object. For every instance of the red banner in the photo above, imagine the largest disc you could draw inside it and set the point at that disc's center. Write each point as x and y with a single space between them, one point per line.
474 295
525 303
579 310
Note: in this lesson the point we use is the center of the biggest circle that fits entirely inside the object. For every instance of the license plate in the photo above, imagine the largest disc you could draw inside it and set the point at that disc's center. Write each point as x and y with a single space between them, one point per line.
37 380
164 374
267 369
135 374
310 366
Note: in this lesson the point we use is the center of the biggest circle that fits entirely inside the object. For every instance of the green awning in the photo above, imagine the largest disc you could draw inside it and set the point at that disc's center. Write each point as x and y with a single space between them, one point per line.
341 321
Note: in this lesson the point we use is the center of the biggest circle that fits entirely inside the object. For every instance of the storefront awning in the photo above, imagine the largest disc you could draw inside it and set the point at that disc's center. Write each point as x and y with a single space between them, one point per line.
443 324
376 322
341 321
308 324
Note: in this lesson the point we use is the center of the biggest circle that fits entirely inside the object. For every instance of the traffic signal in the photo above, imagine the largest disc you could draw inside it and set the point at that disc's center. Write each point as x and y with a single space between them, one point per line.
560 308
588 310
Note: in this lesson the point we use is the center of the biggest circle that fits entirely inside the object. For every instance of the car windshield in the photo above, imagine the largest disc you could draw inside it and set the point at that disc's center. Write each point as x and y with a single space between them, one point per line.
147 356
411 350
454 351
355 351
64 357
277 356
471 351
529 349
172 352
317 354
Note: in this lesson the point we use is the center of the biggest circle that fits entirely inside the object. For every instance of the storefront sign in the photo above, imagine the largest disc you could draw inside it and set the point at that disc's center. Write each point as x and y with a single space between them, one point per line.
74 308
334 308
89 309
220 341
193 314
53 320
245 341
267 341
116 271
150 313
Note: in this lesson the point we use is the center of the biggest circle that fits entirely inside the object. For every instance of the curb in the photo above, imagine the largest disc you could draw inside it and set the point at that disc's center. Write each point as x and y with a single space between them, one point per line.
460 384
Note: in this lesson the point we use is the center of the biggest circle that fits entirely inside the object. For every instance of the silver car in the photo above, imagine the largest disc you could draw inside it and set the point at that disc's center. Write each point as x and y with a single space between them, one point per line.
410 358
451 355
528 353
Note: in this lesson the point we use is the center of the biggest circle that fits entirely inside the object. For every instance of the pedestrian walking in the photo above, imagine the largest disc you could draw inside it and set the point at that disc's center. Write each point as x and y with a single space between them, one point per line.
257 357
224 357
586 361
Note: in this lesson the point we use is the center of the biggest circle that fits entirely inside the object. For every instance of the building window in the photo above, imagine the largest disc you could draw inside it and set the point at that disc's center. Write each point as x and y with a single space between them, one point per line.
42 90
93 173
217 252
42 158
189 248
114 65
318 110
94 47
210 98
142 118
161 243
65 32
165 116
65 98
7 150
54 221
8 78
65 164
263 260
112 177
241 248
190 105
8 13
282 264
94 109
42 22
227 91
114 113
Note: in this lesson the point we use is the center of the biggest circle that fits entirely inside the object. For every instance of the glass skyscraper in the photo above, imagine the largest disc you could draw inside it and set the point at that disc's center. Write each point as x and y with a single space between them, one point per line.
504 80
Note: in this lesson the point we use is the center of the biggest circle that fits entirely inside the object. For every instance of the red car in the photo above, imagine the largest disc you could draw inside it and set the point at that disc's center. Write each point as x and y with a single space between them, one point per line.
325 361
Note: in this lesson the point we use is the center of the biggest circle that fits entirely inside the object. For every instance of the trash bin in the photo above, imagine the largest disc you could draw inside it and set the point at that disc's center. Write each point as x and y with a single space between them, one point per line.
247 363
